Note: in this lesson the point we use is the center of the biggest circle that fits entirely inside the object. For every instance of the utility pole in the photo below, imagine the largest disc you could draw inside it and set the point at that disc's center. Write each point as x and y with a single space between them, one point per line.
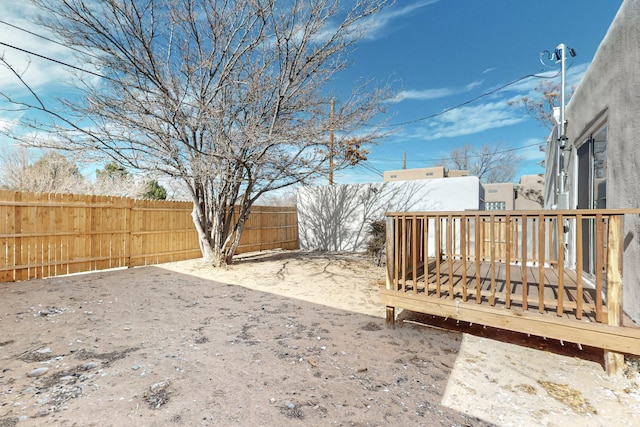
404 160
331 138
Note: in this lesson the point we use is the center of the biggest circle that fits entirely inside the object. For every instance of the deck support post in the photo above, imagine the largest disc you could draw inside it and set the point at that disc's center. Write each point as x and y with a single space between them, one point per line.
391 318
614 362
390 250
390 270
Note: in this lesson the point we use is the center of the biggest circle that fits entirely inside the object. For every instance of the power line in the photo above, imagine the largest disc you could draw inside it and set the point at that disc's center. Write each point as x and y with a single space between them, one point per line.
369 167
45 38
366 165
65 64
470 156
485 94
491 92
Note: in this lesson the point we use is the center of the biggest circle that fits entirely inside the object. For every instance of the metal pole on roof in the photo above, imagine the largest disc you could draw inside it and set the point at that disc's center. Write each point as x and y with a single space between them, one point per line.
560 51
561 201
560 54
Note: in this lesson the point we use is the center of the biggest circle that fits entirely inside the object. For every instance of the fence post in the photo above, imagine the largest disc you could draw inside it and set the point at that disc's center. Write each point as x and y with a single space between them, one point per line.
614 362
390 252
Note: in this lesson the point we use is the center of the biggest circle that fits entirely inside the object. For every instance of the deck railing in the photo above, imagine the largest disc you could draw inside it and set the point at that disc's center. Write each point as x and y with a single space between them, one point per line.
529 239
555 274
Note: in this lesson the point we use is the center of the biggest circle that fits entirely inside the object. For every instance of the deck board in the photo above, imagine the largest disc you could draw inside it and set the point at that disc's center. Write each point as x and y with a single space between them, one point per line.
550 286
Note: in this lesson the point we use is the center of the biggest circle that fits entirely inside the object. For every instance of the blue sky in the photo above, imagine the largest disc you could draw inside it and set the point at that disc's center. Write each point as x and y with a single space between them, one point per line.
436 53
440 54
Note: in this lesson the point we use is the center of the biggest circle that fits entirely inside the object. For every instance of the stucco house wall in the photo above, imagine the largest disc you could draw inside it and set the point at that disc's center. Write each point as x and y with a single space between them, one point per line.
609 96
337 217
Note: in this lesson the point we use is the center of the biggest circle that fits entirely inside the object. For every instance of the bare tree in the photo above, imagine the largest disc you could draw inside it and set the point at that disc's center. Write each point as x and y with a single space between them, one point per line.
540 106
491 163
229 97
13 162
50 173
115 180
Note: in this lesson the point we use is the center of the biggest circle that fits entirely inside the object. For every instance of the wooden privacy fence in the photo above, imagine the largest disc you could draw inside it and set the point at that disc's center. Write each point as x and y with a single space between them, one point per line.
43 235
508 270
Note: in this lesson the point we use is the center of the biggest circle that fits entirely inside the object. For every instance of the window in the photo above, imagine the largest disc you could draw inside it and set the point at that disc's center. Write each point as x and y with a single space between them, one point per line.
495 206
592 189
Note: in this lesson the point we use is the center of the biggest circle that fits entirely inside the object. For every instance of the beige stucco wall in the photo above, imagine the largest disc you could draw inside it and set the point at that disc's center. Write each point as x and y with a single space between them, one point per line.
498 192
527 201
422 173
412 174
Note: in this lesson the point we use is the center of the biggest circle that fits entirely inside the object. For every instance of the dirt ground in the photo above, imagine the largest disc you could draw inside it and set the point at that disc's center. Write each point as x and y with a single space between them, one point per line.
279 338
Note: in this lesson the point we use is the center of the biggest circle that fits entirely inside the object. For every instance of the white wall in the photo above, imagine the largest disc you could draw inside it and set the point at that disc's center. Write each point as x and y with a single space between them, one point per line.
337 217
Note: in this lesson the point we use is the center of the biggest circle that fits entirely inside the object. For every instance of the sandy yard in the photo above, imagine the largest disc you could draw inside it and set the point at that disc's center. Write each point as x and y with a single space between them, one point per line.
279 338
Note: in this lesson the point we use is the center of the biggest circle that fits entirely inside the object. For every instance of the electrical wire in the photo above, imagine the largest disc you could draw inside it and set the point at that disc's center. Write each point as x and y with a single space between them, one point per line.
45 38
491 92
363 164
485 94
470 156
65 64
370 168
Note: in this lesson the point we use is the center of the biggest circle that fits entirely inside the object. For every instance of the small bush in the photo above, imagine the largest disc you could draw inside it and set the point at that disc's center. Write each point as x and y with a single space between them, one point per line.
376 242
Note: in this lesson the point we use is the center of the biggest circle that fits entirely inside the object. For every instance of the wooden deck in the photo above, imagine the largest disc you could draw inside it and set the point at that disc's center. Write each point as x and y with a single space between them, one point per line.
507 271
460 281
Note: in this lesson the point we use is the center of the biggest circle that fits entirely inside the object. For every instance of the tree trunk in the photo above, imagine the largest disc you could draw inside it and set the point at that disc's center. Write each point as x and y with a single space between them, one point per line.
205 246
236 240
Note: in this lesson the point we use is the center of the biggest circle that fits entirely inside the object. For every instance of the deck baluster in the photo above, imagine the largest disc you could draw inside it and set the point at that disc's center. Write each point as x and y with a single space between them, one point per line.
579 267
426 254
599 228
450 252
492 237
525 288
438 253
507 279
414 253
561 248
404 260
463 255
478 256
541 230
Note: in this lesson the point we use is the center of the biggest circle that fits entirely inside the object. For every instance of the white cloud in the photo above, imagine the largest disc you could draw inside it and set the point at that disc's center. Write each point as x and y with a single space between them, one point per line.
37 72
429 94
6 125
470 120
531 149
377 25
573 76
